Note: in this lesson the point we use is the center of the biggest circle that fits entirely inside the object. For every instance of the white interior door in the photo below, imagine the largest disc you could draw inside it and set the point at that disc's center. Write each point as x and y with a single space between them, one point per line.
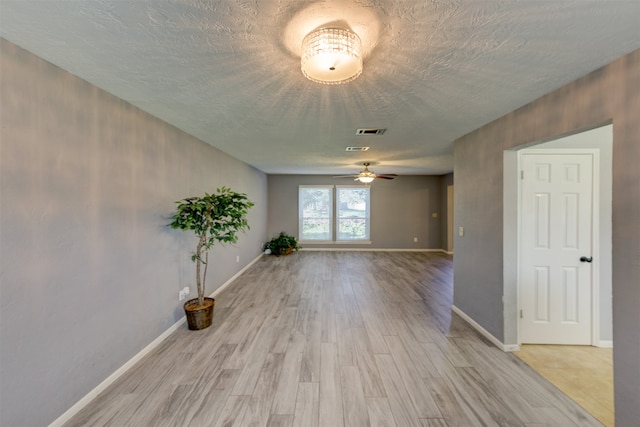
556 216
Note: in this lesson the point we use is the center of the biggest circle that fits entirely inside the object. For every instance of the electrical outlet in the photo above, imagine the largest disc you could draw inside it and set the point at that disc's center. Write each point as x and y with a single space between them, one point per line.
182 294
460 231
415 240
237 258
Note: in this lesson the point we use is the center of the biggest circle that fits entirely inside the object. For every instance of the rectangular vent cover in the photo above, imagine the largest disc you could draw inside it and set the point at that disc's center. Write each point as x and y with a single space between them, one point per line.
357 148
370 131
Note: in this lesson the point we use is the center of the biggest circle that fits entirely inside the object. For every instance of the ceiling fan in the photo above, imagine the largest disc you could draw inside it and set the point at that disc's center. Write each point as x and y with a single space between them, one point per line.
366 176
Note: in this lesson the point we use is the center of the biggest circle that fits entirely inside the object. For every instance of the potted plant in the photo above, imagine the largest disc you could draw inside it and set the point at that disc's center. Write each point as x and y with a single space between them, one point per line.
213 218
282 244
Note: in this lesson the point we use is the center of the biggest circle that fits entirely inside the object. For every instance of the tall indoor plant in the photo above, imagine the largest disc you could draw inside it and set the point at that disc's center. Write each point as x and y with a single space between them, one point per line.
216 217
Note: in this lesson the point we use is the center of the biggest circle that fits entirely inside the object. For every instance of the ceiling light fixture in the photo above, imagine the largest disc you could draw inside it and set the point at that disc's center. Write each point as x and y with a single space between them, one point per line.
366 179
331 56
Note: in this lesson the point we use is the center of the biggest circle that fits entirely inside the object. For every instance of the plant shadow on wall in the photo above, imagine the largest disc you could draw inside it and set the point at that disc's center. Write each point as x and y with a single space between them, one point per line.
282 244
214 218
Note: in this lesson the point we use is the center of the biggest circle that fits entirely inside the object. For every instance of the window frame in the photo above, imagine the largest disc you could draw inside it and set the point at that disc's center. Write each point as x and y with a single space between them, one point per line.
333 218
301 214
367 217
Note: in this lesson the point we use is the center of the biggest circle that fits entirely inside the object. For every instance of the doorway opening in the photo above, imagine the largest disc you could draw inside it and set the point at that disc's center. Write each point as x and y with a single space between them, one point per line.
600 139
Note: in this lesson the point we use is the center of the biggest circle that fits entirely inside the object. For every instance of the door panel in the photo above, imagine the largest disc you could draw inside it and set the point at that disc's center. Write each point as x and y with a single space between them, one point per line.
541 288
556 228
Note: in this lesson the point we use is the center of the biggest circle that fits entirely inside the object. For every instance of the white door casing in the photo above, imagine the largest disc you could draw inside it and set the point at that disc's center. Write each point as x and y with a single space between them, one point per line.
556 230
450 218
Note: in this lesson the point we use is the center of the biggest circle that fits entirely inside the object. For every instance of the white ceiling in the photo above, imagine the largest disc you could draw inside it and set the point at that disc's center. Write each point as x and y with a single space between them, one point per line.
228 72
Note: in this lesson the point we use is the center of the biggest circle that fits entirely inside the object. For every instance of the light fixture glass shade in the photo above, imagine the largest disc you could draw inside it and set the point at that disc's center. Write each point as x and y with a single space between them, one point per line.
366 179
331 56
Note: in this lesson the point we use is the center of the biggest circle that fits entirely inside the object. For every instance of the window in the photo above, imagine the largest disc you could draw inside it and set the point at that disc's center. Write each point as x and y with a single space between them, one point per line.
352 213
315 213
318 205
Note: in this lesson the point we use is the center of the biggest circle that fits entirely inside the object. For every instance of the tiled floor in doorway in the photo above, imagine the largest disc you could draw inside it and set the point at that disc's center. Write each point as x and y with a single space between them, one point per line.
583 373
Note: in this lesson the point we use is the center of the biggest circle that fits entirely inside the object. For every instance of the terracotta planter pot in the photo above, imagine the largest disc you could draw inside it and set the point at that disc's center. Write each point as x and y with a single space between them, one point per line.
199 317
285 251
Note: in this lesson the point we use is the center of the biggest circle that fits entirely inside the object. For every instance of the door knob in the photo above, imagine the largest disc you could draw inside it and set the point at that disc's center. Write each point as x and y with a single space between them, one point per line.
586 259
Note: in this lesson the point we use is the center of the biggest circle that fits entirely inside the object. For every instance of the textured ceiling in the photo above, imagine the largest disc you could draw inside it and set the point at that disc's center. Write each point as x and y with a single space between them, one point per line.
228 72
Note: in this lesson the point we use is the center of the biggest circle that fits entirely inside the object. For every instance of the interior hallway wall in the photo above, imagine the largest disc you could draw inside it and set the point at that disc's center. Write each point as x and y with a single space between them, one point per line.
609 94
89 271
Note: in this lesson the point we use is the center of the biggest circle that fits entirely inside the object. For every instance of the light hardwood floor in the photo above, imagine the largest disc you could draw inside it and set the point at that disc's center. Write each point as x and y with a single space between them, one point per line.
334 339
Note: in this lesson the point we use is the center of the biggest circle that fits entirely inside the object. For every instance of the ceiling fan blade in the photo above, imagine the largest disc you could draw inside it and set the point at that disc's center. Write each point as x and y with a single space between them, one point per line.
367 174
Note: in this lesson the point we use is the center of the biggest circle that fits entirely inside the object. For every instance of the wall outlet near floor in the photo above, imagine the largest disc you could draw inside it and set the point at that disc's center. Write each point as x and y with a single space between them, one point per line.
415 240
237 258
460 231
182 293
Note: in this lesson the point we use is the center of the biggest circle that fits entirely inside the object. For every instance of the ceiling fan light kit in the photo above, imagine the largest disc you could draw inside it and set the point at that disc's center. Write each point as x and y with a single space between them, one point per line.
366 176
331 56
365 179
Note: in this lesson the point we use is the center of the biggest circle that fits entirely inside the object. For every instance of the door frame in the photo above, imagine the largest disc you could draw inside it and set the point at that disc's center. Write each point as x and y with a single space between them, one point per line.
450 239
595 232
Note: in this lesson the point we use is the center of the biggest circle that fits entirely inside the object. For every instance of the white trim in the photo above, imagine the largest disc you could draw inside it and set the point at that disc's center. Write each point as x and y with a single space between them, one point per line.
334 217
475 325
605 344
114 376
235 276
334 242
347 249
79 405
595 249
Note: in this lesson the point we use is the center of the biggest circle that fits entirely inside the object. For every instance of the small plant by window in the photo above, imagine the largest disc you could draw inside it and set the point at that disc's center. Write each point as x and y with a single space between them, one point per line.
282 244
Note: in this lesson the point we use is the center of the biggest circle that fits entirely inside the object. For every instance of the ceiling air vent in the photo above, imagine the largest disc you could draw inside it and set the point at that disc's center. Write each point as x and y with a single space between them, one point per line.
372 131
357 148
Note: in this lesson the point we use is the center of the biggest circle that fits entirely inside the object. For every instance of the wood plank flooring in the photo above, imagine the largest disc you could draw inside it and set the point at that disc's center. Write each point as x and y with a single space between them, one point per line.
334 339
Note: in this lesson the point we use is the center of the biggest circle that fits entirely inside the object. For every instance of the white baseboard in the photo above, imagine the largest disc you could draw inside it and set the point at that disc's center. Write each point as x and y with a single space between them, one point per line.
605 344
235 276
350 249
475 325
131 362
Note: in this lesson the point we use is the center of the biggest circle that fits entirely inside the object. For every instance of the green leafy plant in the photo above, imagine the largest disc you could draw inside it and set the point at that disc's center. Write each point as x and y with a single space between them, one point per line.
216 217
281 243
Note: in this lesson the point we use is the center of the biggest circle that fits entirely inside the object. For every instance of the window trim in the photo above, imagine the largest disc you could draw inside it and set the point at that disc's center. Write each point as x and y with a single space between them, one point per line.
333 219
337 216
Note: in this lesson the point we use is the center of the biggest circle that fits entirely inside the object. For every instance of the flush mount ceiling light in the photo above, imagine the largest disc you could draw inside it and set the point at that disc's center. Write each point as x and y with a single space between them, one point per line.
331 56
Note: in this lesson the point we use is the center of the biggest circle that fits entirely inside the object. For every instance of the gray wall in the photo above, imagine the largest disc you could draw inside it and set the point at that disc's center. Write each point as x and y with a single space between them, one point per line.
445 181
610 94
400 210
90 273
